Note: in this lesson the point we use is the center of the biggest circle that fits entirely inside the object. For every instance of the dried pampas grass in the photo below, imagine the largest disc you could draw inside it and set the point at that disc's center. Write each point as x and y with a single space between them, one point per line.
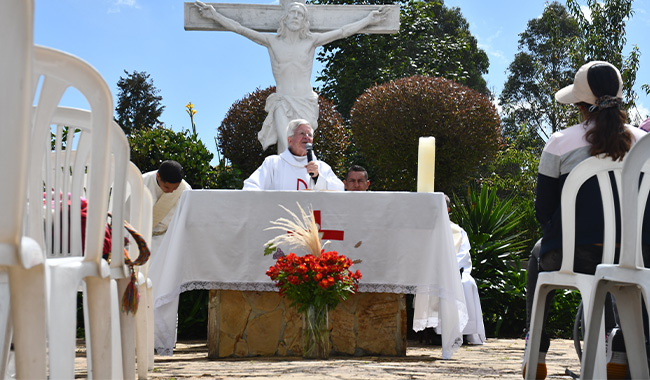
301 232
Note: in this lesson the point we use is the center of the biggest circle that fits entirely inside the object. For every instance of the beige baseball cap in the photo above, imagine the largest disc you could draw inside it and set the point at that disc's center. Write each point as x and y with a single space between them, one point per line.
580 91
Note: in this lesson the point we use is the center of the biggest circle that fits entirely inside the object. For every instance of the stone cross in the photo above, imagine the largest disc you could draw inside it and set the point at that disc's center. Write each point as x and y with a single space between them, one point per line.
266 17
300 29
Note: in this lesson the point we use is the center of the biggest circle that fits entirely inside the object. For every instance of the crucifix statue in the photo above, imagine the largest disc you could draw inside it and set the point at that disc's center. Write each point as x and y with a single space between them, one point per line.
300 29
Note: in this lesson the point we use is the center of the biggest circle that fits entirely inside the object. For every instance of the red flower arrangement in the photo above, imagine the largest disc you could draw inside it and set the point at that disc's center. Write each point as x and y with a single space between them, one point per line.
323 280
315 282
318 278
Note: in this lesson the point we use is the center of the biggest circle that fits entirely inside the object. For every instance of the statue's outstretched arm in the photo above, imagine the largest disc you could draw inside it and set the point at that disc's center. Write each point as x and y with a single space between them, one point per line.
352 28
208 11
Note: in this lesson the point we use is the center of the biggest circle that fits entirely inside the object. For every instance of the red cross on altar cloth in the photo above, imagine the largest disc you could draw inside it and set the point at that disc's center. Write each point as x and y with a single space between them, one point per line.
327 234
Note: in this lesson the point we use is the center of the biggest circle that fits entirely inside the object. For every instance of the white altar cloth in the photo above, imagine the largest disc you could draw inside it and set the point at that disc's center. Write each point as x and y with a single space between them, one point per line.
216 241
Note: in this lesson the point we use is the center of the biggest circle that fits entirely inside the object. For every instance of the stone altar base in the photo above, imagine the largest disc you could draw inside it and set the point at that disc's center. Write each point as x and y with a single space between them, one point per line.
246 324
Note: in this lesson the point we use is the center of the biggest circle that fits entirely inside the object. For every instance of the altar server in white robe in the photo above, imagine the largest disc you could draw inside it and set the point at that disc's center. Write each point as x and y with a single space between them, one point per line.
166 186
291 170
474 330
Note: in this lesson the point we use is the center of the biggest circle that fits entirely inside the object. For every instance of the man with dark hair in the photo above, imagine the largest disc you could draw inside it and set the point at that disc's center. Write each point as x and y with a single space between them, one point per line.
166 186
356 179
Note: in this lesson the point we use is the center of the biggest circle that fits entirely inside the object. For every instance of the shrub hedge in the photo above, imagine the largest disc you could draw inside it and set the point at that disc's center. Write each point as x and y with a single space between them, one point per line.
388 119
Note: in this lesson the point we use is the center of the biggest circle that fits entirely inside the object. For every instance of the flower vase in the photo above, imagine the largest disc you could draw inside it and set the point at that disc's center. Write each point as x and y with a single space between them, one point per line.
315 333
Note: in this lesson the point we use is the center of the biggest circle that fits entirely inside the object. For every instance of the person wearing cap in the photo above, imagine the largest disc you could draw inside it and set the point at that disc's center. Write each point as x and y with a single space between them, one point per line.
166 186
597 92
291 169
645 125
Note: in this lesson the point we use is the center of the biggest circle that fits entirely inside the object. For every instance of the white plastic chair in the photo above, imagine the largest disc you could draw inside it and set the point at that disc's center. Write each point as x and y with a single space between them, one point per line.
120 273
67 264
141 211
566 278
628 280
22 297
147 231
119 147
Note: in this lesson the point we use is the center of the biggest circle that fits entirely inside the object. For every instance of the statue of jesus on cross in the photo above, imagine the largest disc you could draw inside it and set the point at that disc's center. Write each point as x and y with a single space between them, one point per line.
291 51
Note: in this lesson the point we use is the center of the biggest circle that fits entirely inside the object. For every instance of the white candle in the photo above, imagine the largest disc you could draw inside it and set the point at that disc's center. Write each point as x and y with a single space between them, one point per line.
426 164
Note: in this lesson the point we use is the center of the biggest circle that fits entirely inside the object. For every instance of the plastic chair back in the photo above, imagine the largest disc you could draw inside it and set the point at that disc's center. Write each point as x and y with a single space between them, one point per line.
60 175
600 167
67 165
628 281
16 20
140 202
635 198
22 275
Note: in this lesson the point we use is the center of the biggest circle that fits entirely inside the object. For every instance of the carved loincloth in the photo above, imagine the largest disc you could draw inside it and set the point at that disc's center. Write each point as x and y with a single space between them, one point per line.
294 108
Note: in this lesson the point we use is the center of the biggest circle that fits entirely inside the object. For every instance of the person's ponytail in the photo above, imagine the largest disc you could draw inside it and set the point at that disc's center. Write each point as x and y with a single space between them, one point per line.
608 134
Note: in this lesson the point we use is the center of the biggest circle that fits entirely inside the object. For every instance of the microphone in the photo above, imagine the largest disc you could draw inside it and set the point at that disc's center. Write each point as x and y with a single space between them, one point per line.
310 155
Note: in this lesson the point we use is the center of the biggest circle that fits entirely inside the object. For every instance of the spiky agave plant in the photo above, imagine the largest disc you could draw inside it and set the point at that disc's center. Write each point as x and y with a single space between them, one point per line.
303 232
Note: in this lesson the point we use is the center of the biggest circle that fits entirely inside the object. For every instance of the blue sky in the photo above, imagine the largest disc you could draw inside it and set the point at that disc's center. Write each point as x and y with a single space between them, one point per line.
214 69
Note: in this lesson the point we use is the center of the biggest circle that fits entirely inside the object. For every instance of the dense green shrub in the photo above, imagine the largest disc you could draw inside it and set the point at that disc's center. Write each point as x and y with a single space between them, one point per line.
387 121
150 147
238 133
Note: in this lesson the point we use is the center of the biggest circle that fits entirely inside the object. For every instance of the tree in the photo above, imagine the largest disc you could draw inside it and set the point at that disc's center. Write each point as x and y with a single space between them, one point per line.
433 40
238 133
150 147
388 119
542 66
604 40
138 105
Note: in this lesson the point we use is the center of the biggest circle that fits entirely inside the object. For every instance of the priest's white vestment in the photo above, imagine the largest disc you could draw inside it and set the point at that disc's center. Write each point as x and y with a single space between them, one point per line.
287 172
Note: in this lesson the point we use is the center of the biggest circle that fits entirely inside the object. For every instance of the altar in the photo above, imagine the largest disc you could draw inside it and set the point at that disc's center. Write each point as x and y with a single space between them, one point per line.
404 241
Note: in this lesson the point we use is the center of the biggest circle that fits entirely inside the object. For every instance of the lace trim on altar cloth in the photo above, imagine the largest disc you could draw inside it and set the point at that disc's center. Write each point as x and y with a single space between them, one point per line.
270 287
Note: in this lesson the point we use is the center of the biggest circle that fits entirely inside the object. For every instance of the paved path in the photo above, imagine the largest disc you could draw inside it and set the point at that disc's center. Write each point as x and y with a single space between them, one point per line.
497 359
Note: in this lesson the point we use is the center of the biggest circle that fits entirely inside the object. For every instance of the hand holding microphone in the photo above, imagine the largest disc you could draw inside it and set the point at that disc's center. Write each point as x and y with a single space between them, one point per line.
312 167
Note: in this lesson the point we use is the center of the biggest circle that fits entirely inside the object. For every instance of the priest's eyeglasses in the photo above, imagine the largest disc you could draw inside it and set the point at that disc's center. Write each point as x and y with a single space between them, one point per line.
301 134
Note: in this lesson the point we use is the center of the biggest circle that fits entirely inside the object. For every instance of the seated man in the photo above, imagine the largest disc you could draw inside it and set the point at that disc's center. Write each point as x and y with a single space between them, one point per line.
474 330
291 170
356 179
166 186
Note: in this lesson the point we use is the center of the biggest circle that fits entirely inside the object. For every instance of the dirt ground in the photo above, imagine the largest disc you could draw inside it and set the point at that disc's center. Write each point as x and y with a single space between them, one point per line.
496 359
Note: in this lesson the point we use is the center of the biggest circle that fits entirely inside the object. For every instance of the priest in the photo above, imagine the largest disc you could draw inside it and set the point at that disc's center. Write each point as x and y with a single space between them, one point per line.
297 168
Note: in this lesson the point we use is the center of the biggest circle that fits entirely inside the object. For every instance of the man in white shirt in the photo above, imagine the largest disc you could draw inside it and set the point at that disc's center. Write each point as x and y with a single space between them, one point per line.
291 170
356 179
166 186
